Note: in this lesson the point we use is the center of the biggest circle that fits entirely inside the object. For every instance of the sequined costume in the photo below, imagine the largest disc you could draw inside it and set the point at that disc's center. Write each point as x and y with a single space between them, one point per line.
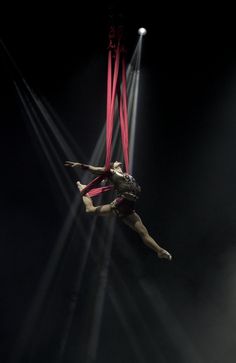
128 191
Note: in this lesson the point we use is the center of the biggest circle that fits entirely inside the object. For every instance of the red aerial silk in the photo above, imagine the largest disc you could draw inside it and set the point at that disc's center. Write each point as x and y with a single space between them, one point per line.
116 60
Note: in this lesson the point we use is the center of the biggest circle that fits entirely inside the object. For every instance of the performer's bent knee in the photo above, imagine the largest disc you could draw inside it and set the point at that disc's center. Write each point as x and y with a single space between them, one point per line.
94 210
90 210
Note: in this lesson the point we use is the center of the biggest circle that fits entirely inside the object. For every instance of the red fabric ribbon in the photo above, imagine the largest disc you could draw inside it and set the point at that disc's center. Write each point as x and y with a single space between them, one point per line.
115 58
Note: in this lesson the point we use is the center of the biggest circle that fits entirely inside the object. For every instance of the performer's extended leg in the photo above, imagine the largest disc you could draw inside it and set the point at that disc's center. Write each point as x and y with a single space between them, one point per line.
135 222
102 210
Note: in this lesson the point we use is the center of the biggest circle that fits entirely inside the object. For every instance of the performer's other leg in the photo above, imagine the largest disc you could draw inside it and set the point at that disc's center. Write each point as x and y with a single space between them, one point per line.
101 210
134 221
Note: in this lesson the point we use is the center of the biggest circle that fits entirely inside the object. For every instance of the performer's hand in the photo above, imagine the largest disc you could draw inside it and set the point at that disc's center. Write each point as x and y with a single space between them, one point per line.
72 164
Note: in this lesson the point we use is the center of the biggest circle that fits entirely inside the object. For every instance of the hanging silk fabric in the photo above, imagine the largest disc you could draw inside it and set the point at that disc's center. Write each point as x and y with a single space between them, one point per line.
116 87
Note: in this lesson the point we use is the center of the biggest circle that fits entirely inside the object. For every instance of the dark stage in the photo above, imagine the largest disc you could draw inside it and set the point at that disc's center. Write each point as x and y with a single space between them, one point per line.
75 288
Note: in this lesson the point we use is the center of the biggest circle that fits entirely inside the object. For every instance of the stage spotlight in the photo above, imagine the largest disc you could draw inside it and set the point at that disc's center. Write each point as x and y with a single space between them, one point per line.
142 31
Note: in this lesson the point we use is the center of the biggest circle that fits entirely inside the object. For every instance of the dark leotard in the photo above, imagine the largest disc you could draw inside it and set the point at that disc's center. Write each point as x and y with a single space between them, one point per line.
128 191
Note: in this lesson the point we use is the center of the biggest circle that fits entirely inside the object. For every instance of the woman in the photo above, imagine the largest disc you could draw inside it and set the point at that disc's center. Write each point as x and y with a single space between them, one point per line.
123 206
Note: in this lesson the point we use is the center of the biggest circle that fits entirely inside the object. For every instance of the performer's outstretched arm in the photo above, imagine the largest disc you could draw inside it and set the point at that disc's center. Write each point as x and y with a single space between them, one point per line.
98 170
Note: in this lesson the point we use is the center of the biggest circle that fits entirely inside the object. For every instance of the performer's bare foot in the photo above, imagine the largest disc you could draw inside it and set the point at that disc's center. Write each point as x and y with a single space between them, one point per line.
86 198
164 254
80 186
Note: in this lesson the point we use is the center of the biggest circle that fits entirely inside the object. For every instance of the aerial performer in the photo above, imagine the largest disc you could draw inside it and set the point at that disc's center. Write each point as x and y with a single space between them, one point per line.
125 186
123 206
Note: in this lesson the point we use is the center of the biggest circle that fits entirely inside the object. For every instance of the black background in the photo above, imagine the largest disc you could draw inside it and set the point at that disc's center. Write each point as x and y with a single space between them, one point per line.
184 160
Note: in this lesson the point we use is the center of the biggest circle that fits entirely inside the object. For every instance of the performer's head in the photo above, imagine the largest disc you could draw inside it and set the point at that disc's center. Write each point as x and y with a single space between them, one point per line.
117 165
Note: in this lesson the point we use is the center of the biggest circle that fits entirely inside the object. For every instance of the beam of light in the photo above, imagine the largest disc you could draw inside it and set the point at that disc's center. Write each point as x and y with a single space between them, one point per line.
97 159
56 255
100 296
136 311
41 134
172 326
43 287
64 136
98 309
79 276
133 122
56 133
33 117
162 312
48 276
95 331
130 333
94 336
54 260
78 280
132 74
43 108
50 271
11 59
133 100
129 301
